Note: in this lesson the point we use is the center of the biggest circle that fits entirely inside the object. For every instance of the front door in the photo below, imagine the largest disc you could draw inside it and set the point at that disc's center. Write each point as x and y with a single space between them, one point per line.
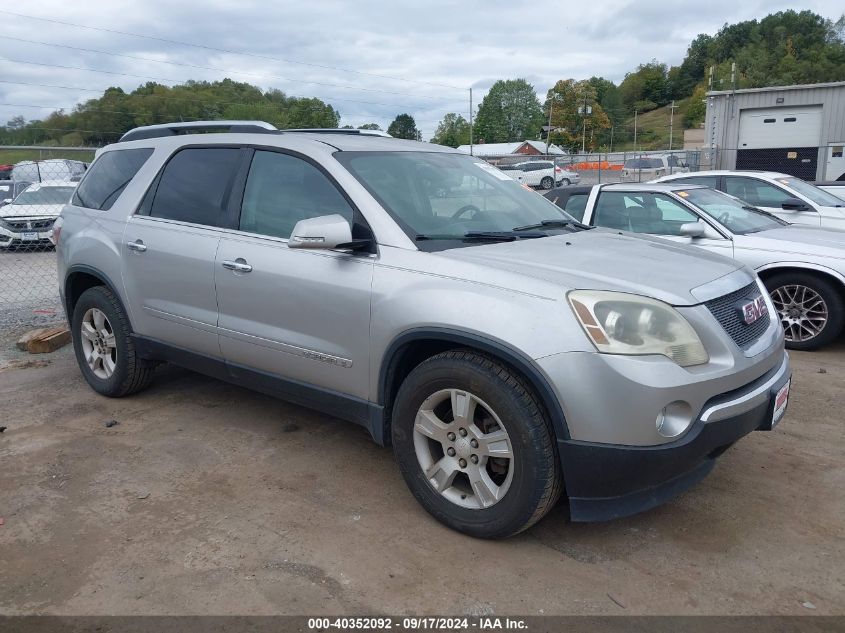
169 250
297 314
769 197
655 214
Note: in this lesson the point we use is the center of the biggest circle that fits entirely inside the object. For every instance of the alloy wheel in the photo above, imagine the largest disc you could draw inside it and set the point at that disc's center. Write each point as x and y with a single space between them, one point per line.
803 312
463 449
98 343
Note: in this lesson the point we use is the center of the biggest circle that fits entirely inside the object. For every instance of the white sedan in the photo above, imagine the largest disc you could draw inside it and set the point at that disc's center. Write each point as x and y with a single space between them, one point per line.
28 219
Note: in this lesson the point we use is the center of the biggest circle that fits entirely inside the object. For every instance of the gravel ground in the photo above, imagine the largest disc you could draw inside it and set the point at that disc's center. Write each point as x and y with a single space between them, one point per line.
210 499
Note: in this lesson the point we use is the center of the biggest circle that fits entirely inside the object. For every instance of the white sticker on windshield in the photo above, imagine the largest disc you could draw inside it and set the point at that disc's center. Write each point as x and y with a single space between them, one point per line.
493 171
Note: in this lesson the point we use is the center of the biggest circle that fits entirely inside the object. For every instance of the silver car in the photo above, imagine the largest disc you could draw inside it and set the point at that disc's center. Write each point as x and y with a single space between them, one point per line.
505 351
803 267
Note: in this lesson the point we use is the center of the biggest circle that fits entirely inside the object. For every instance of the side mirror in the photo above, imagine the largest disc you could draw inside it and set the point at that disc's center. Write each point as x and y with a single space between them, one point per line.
5 202
794 204
325 232
692 229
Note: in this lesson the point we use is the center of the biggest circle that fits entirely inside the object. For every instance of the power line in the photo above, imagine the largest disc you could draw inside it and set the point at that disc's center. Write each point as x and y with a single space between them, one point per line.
227 51
182 81
222 70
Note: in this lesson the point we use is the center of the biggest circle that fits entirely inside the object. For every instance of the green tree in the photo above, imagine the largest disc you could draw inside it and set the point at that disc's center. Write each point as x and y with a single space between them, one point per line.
404 126
369 126
570 122
510 111
453 130
647 85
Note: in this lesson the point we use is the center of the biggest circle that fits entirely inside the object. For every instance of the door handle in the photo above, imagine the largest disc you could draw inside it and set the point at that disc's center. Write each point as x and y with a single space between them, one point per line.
138 246
239 265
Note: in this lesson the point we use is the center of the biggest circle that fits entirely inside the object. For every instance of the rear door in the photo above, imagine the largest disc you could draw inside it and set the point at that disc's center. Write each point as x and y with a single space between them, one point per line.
298 314
170 246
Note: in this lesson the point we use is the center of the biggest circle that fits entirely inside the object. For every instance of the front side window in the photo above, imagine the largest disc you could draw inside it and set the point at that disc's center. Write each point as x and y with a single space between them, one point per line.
443 196
281 190
755 192
195 186
109 176
641 213
730 212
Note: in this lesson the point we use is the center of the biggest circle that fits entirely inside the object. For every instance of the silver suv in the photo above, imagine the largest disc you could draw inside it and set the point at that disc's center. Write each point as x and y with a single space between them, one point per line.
507 353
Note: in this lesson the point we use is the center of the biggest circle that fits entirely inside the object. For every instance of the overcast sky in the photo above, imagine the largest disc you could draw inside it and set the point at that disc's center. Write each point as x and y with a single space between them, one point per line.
427 53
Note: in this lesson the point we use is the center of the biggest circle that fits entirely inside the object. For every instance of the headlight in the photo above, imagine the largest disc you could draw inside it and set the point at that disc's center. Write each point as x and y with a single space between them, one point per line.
619 323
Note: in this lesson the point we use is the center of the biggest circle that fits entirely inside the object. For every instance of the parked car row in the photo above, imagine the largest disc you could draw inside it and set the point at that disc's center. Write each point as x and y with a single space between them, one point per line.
508 353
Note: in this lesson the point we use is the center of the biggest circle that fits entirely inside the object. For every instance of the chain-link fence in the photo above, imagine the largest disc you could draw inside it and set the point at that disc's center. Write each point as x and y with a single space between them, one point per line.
30 201
544 171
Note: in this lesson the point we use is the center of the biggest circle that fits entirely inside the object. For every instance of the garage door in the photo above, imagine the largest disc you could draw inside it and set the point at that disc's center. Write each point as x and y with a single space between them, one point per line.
780 139
780 127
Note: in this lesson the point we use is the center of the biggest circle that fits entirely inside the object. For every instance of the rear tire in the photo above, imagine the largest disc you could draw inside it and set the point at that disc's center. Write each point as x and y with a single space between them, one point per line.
104 347
811 309
475 446
547 182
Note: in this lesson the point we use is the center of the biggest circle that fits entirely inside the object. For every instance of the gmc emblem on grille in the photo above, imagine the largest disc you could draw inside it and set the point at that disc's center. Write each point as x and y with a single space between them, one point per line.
753 310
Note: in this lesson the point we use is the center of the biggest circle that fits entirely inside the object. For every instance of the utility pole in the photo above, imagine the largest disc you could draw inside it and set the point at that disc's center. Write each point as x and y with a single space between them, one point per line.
584 126
611 139
549 131
671 122
470 121
635 130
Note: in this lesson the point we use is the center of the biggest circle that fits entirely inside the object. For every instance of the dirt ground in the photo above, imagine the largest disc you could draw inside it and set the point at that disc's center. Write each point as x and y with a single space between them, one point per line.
210 499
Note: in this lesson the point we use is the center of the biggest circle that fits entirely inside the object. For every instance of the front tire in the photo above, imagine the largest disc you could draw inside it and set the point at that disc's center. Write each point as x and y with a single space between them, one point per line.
475 446
547 182
810 309
104 348
565 182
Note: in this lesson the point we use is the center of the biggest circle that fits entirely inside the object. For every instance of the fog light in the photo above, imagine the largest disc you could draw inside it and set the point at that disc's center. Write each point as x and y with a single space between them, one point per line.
674 419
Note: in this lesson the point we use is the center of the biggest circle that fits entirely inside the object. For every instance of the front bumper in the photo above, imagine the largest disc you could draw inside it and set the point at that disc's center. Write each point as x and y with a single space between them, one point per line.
24 236
605 481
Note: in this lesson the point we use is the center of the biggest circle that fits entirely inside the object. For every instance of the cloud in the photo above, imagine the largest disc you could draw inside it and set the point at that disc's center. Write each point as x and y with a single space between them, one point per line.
414 57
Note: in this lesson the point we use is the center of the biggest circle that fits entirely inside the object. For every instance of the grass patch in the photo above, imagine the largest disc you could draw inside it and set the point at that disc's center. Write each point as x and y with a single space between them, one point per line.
12 156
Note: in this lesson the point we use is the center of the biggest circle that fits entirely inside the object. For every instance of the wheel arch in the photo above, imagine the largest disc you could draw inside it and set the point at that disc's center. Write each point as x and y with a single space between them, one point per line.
823 272
80 278
412 347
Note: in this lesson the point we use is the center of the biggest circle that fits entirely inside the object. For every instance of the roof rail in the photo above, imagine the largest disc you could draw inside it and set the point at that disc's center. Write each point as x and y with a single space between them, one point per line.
172 129
338 130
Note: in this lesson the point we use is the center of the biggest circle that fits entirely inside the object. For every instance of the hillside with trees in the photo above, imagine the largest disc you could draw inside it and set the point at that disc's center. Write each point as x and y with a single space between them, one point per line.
104 120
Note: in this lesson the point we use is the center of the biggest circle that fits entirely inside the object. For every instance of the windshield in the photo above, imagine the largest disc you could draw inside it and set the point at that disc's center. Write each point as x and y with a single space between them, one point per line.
45 195
819 196
444 196
731 213
643 163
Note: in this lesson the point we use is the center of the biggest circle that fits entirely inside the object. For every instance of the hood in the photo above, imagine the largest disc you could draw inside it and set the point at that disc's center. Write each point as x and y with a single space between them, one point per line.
31 210
601 259
798 240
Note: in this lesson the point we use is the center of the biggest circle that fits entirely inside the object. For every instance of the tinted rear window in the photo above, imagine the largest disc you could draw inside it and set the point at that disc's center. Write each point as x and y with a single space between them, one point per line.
109 176
194 186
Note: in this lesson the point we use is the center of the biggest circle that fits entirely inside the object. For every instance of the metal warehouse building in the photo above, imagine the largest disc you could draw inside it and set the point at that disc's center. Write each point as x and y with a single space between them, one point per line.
798 130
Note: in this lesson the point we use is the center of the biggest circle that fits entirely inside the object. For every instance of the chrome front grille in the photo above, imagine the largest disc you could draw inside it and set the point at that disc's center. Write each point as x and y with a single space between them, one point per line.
729 314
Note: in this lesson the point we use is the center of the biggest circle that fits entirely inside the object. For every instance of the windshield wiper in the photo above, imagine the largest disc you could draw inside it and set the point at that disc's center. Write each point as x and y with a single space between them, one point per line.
492 236
553 224
748 207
